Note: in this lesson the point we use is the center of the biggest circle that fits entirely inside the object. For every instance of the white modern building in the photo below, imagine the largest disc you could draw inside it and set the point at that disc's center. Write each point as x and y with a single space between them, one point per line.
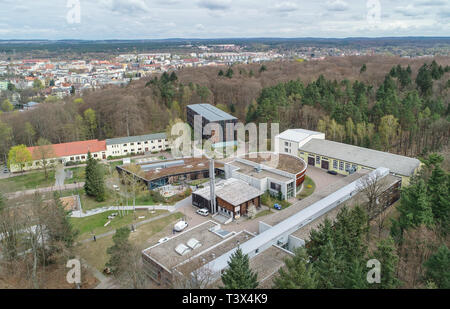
124 146
276 173
291 140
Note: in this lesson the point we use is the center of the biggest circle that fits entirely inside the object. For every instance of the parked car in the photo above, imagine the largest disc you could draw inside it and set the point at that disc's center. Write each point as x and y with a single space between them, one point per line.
277 206
163 240
179 226
332 172
116 187
203 212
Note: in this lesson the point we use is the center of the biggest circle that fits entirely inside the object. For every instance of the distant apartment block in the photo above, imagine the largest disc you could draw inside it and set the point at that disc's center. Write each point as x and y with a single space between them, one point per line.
211 114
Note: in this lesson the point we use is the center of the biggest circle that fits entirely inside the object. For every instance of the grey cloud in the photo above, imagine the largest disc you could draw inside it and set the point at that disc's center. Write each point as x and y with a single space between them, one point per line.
337 5
215 4
285 6
126 6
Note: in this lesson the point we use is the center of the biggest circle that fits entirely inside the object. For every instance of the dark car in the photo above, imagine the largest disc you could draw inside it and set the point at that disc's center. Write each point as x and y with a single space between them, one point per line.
332 172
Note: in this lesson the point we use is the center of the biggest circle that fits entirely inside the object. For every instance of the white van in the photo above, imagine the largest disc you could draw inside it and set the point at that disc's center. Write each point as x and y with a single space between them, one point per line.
203 212
179 226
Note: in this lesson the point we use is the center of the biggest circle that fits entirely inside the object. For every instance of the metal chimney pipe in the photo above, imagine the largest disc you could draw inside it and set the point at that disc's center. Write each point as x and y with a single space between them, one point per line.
212 186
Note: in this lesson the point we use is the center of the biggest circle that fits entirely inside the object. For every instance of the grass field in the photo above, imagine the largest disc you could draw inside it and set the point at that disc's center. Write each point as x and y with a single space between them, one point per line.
78 175
96 223
27 181
308 188
269 201
95 252
263 213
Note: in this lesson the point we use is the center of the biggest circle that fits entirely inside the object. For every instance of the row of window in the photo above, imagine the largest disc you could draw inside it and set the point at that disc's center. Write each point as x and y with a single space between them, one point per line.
139 143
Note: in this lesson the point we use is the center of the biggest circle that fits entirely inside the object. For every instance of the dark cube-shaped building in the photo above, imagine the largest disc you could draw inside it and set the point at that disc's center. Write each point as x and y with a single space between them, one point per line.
211 114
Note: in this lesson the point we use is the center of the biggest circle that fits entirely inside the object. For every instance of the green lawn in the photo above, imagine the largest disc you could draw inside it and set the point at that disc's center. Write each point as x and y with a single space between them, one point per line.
308 188
27 181
95 252
263 213
199 181
78 175
269 201
96 223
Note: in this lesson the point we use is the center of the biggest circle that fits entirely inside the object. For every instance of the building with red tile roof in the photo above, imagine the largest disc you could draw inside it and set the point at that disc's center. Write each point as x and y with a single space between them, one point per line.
66 152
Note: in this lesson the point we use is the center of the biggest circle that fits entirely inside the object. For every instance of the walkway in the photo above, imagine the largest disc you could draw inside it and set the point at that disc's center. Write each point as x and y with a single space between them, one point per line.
44 190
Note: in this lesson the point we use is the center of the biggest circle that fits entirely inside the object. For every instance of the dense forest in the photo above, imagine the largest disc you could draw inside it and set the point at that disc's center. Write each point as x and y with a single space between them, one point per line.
389 103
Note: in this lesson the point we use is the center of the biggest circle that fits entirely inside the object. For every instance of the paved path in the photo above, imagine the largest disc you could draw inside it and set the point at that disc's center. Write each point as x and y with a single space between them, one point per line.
44 190
60 176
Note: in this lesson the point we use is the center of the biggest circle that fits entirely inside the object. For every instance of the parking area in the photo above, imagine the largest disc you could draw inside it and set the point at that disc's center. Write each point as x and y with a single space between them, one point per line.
321 178
4 171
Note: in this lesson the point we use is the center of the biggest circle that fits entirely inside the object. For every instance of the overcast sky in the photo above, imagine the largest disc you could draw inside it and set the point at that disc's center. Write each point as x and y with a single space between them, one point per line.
154 19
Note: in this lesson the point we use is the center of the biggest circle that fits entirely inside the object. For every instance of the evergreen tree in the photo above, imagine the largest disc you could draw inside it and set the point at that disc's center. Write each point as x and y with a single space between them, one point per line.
173 77
363 69
424 80
59 226
415 208
298 273
437 268
119 250
238 275
356 275
220 73
229 73
329 268
439 192
388 258
94 185
2 201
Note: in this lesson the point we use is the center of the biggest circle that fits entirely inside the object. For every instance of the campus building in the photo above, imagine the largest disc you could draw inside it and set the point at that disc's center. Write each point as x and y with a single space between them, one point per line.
280 174
63 153
346 159
101 150
233 196
211 115
178 262
342 158
155 174
123 146
199 255
291 140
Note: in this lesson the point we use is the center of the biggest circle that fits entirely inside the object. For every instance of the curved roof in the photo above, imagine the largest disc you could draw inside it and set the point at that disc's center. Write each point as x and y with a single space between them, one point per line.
280 161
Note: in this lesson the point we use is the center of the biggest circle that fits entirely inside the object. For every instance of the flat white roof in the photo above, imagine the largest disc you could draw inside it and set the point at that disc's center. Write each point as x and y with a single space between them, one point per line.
297 135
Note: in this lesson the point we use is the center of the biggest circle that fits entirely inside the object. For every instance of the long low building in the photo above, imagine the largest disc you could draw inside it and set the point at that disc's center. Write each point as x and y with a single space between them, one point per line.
160 173
122 146
77 151
346 159
63 153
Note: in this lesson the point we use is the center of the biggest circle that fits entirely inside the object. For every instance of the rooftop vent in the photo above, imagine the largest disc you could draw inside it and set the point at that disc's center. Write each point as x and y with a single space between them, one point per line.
182 249
193 243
